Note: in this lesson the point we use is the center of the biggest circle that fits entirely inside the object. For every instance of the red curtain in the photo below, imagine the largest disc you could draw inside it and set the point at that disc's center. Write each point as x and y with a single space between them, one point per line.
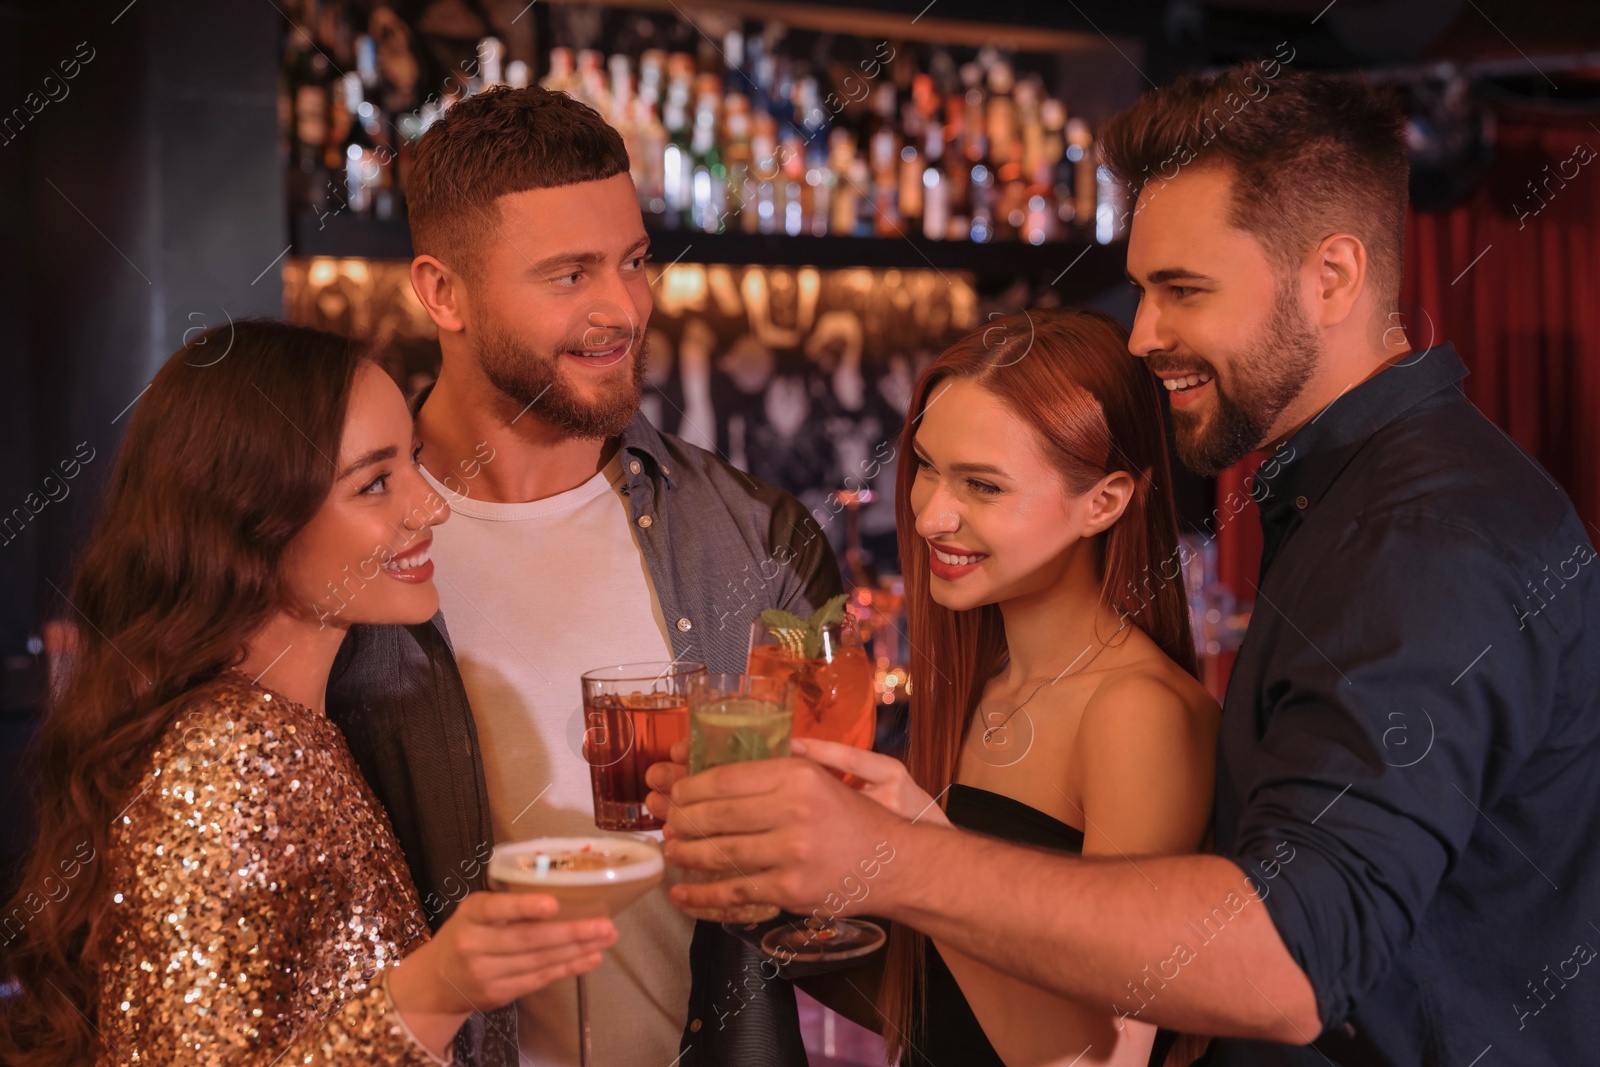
1512 277
1526 316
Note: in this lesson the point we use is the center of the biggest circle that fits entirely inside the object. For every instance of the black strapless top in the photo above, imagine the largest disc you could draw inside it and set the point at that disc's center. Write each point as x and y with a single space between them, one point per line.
950 1034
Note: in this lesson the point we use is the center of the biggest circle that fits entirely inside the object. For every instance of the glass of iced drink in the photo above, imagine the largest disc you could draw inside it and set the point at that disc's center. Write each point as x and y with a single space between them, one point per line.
632 715
734 718
833 701
833 697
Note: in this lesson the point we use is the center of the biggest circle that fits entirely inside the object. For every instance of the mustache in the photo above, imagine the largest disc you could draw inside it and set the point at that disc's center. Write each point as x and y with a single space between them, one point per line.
598 337
1178 364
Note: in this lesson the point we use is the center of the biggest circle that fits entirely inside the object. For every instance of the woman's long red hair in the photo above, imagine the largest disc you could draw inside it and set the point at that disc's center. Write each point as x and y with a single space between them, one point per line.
227 457
1096 410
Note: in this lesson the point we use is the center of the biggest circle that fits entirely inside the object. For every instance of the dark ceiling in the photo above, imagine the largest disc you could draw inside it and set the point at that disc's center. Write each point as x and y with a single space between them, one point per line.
1180 35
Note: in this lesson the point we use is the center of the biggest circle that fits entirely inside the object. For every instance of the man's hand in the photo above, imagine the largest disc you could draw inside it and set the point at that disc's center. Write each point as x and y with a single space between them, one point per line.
662 776
794 834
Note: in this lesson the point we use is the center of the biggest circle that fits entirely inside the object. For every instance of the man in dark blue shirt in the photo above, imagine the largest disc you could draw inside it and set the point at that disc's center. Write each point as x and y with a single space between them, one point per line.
1411 734
1408 781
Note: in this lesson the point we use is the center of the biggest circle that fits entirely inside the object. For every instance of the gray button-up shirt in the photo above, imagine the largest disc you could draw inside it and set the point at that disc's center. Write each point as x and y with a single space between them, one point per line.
720 547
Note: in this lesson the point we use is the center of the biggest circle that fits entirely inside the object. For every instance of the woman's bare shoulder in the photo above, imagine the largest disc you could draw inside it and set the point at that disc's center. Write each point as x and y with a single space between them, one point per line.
1146 660
1145 757
1145 687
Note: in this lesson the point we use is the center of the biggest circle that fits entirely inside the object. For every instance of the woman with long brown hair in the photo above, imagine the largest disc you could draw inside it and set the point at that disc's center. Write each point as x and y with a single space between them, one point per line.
1056 702
214 881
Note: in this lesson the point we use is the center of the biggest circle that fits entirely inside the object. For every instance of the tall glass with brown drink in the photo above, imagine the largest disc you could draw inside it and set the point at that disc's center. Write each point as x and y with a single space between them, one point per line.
632 715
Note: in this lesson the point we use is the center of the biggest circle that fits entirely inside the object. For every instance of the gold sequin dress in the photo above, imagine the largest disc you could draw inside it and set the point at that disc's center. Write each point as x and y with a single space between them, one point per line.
256 892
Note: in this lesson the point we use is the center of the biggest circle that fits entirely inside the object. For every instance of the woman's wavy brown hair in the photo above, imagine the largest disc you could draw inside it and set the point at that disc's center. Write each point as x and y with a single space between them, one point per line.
227 457
1095 410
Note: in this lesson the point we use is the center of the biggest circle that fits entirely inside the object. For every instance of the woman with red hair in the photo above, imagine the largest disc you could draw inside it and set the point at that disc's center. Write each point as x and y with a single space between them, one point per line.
1056 702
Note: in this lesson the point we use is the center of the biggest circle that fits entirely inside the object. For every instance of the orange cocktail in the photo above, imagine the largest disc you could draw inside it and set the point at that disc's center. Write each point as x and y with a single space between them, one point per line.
833 699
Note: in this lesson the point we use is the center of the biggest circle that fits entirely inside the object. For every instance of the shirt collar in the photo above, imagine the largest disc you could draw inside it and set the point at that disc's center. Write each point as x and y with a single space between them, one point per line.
639 438
1310 460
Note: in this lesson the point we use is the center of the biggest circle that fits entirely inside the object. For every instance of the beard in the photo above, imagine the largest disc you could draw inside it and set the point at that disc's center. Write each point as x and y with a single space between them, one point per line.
535 379
1263 380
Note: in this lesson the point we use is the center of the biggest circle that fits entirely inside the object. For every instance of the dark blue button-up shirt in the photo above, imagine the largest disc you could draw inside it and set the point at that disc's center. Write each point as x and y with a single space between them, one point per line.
1410 755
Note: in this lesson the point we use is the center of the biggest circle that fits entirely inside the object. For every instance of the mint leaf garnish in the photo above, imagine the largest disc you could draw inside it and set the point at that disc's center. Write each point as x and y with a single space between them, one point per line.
803 637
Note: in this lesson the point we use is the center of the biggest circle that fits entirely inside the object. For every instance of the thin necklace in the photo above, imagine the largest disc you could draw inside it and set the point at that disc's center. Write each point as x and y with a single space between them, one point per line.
990 731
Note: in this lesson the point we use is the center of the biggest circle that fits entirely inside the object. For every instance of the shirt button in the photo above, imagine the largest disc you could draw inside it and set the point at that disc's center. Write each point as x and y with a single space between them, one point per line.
1301 502
665 469
684 625
645 521
634 467
694 1027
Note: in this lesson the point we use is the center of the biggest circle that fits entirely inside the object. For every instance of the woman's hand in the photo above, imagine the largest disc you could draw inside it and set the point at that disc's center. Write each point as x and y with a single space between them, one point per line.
883 778
495 948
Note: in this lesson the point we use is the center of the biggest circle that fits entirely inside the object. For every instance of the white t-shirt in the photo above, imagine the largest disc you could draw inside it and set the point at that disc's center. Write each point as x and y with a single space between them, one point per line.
533 595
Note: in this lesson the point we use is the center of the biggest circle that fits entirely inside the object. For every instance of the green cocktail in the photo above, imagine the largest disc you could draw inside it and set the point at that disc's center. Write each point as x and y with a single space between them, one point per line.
732 731
734 718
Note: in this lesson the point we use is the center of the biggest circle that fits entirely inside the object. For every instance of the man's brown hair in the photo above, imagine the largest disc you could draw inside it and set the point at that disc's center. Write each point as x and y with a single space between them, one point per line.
497 142
1310 155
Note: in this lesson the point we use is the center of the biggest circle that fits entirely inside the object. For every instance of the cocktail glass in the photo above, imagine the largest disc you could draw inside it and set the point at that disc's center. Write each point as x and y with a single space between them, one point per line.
833 697
632 715
590 877
734 718
833 701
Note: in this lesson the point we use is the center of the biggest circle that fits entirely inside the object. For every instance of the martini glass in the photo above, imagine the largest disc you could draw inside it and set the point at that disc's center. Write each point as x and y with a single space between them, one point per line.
590 878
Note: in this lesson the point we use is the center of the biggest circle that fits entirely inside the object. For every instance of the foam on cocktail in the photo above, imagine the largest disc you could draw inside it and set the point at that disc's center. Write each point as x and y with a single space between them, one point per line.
590 877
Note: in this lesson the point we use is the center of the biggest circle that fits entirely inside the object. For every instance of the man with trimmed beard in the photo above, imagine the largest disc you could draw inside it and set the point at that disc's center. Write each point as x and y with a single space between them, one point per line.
583 538
1405 869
